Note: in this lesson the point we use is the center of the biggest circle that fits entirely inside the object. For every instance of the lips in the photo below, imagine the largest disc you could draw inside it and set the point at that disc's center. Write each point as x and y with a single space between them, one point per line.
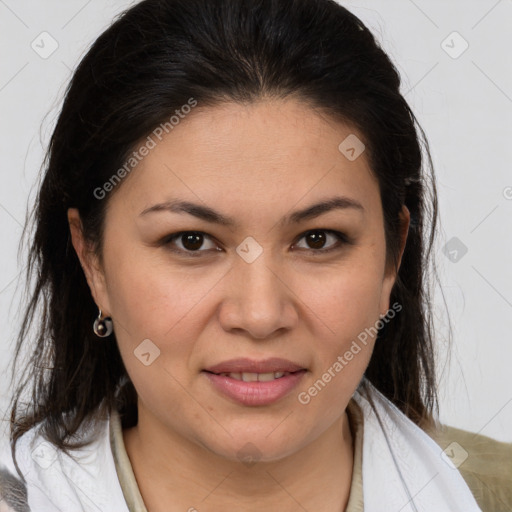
254 393
255 383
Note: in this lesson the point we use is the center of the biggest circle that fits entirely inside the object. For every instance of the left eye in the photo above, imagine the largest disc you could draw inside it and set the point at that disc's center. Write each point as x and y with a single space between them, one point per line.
317 239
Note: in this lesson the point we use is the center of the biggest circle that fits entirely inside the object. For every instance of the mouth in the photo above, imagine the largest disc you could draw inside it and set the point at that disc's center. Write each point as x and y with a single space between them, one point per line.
255 383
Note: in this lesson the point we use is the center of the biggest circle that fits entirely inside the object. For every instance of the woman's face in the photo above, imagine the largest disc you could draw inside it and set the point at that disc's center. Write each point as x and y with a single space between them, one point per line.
255 287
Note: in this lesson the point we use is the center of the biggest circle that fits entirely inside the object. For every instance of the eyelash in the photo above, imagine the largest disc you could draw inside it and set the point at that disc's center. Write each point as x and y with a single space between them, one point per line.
167 241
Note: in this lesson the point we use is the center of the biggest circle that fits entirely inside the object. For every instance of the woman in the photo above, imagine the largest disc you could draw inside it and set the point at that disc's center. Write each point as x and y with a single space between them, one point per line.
230 249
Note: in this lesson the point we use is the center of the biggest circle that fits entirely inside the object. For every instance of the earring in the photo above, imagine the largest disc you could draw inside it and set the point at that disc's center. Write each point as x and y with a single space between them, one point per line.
102 326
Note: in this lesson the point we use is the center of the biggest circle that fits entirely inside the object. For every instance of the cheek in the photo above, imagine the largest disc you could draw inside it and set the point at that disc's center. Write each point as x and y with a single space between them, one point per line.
346 308
151 302
152 298
343 304
345 301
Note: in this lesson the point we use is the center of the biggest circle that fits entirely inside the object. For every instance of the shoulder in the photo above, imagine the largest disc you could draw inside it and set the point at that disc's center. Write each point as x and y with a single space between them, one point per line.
484 463
52 480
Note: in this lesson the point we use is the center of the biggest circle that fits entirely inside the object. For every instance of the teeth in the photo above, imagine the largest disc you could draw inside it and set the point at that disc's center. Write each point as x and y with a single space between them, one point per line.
265 377
255 377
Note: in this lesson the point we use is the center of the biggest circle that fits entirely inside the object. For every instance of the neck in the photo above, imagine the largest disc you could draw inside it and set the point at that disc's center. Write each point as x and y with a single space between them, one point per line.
171 469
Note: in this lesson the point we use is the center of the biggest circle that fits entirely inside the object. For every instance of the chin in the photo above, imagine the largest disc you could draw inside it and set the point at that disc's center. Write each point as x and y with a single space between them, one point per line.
249 448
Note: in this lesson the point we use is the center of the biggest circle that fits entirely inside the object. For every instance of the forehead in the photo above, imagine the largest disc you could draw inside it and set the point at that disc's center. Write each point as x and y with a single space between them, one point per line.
264 153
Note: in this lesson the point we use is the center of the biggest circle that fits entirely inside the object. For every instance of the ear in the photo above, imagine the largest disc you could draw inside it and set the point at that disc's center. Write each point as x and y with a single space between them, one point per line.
90 262
391 274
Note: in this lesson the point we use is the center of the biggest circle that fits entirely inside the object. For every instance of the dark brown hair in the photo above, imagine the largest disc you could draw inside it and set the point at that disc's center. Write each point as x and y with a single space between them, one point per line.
152 60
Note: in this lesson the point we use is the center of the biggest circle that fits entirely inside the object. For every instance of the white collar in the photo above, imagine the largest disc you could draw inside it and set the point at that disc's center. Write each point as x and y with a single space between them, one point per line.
403 468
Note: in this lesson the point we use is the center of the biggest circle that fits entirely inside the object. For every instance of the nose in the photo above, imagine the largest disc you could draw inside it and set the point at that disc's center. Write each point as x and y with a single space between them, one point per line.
258 300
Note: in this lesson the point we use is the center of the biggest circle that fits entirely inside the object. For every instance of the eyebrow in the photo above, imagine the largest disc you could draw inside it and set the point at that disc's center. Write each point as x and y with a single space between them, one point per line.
209 215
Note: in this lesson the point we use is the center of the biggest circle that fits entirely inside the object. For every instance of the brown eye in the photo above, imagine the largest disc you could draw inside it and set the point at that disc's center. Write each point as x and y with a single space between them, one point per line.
316 240
192 241
188 242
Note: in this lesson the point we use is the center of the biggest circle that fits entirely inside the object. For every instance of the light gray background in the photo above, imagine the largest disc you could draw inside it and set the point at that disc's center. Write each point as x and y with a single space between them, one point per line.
464 104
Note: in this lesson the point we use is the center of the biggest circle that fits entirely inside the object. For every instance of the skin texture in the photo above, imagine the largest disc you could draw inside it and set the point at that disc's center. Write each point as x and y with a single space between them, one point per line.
256 163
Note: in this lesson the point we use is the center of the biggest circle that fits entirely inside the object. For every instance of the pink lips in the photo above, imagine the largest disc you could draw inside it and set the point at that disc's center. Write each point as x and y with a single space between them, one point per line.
255 393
